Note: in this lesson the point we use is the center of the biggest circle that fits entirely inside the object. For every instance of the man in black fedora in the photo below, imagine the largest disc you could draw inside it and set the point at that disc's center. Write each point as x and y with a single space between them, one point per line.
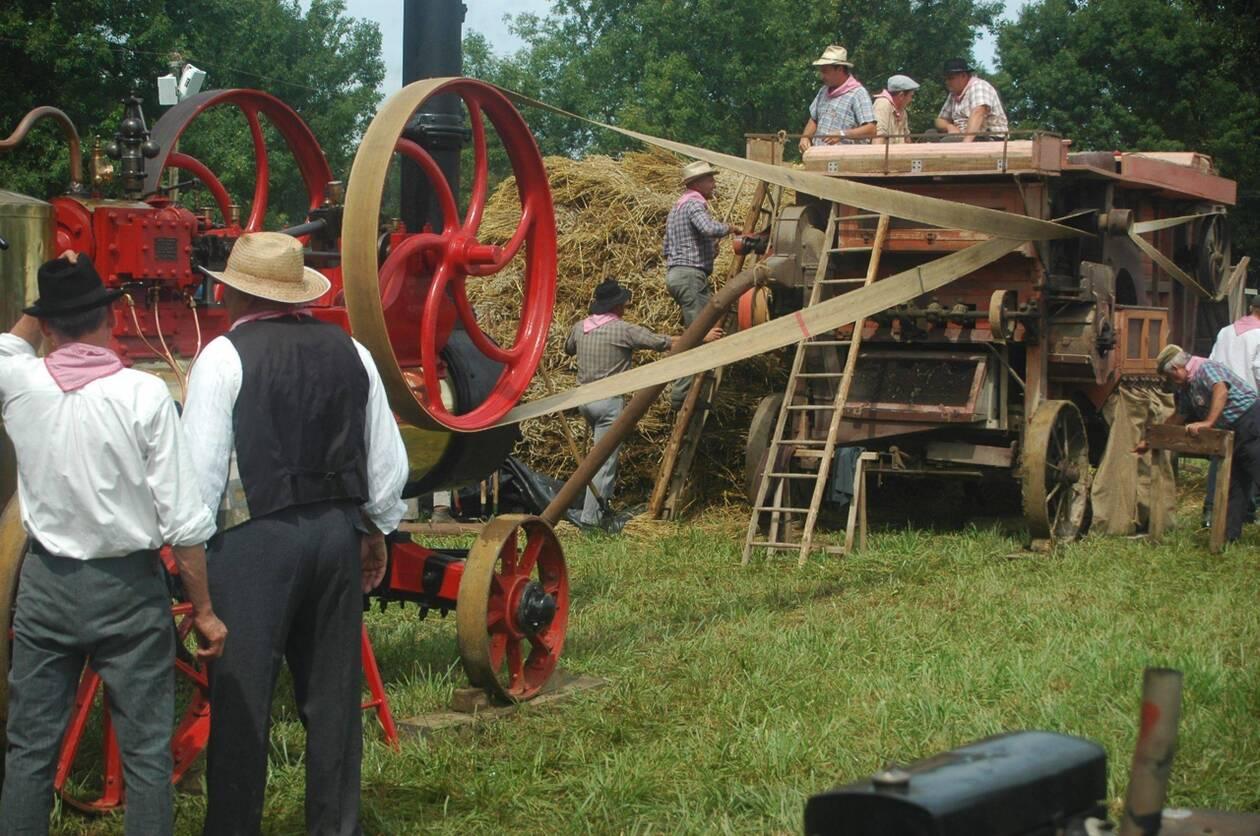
104 479
605 344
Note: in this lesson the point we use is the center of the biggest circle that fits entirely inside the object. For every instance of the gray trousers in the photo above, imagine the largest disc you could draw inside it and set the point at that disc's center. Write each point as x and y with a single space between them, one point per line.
689 287
114 614
287 587
599 417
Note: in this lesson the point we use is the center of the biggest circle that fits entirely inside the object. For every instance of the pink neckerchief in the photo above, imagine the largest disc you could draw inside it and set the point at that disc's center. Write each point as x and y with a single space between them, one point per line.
255 317
958 96
75 365
1194 364
688 196
884 94
1247 323
595 320
850 84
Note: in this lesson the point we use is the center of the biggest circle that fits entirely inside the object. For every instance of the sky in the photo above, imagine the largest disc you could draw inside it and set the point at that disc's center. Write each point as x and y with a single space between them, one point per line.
488 18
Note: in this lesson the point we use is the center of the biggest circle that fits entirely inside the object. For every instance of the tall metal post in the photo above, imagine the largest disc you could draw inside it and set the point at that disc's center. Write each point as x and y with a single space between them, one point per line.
432 48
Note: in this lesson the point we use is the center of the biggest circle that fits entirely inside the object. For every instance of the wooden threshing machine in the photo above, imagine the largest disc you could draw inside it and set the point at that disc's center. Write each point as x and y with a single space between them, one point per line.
397 285
1001 374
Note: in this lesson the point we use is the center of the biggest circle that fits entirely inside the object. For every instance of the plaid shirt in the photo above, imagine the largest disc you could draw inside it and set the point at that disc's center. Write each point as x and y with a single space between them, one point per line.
1196 399
978 92
848 110
608 349
691 236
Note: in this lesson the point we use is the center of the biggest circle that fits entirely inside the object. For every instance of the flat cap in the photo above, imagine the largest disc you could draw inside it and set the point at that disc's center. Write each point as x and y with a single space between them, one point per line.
1166 354
901 84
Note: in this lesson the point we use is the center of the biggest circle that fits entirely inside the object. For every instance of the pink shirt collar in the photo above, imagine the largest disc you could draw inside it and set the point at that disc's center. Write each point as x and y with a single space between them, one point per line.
850 84
255 317
688 196
1248 323
595 320
75 365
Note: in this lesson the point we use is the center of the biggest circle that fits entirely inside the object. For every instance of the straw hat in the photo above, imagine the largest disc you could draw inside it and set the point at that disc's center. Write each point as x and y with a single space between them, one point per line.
696 170
269 265
834 54
1165 356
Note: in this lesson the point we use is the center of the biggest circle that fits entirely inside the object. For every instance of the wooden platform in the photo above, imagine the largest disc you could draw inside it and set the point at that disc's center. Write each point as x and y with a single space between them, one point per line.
1042 154
561 686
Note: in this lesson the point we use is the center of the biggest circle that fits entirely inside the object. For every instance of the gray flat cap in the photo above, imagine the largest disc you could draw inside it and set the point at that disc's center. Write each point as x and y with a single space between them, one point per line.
901 83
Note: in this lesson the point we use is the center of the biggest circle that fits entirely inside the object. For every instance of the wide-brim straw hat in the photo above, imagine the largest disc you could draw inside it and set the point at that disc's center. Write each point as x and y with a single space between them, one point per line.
834 54
269 265
696 170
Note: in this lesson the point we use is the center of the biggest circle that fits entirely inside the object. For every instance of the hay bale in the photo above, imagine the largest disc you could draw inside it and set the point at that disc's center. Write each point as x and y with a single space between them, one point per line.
610 218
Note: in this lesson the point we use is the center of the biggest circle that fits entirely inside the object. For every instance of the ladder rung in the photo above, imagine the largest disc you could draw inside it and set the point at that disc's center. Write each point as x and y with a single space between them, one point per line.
850 249
866 217
809 454
819 374
801 442
843 281
772 544
811 342
793 475
782 509
810 407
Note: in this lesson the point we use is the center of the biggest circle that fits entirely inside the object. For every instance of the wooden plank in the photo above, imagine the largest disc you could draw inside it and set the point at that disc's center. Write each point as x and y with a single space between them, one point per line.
1182 180
975 454
441 529
1173 437
561 686
1220 502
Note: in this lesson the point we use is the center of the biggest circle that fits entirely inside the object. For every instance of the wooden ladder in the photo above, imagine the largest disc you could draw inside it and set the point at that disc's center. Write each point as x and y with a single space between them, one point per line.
791 440
668 493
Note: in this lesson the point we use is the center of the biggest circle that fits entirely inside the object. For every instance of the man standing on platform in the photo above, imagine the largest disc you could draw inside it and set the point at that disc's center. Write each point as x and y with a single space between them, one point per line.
104 480
691 236
1213 397
605 344
892 110
296 446
842 111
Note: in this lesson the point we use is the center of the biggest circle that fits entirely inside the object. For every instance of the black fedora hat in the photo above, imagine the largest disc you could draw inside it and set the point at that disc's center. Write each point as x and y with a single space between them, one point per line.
958 65
608 295
69 287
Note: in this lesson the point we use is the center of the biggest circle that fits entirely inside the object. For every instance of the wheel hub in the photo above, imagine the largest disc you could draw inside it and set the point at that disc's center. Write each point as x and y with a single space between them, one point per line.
535 609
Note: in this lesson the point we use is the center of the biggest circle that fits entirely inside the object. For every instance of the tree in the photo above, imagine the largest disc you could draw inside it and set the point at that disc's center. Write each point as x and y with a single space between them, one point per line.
707 72
1130 74
85 56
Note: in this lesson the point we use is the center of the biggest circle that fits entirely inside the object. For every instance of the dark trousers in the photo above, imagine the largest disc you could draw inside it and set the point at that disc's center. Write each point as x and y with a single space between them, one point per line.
1244 472
287 587
114 614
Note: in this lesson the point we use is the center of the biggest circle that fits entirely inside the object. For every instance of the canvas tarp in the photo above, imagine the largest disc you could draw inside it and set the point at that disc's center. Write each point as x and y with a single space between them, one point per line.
1121 493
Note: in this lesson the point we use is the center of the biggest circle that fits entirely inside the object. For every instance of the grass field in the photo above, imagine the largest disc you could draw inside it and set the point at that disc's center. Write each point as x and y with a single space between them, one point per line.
734 693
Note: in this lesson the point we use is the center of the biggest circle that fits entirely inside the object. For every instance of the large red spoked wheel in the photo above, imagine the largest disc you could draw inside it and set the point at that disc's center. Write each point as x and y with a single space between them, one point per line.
404 312
252 104
515 590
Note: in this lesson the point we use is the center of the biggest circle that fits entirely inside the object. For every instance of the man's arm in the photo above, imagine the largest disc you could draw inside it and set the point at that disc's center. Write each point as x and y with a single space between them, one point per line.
570 342
865 131
807 135
192 573
1220 395
213 385
975 122
704 222
27 328
387 470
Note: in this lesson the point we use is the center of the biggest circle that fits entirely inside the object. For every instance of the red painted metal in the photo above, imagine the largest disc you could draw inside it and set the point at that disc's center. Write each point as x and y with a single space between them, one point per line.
527 672
376 687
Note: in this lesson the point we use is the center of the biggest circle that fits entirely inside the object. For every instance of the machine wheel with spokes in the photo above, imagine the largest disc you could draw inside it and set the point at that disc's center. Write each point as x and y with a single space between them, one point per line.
513 607
1054 470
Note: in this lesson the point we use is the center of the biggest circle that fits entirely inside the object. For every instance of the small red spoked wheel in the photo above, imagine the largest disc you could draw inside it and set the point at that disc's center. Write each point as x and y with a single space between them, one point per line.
252 104
405 311
513 607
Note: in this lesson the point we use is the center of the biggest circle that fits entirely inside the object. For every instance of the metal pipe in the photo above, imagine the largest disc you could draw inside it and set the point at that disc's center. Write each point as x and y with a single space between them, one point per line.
67 127
642 401
1153 753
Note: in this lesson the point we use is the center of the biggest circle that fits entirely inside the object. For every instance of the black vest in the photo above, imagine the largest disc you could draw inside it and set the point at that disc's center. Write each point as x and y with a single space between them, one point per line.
300 417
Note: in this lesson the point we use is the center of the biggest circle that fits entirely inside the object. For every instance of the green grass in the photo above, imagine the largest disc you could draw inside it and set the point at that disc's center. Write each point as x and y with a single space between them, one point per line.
734 693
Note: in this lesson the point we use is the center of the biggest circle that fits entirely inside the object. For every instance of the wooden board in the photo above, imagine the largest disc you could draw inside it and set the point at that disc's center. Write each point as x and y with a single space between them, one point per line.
1044 154
561 686
1208 442
1178 179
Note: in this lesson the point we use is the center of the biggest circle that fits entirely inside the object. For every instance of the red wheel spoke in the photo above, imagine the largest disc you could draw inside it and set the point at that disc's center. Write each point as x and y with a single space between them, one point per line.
530 556
477 202
496 619
542 641
428 330
516 664
198 169
393 272
513 245
484 344
262 185
437 180
509 556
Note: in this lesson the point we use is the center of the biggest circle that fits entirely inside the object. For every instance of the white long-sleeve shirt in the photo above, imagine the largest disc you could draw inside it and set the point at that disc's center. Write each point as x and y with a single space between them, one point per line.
104 470
1240 353
213 387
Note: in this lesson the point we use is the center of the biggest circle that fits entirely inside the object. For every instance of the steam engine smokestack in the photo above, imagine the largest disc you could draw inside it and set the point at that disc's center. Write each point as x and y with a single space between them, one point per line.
432 48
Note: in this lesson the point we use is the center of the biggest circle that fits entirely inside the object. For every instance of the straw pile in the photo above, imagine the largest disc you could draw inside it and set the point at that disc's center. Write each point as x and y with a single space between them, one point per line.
610 218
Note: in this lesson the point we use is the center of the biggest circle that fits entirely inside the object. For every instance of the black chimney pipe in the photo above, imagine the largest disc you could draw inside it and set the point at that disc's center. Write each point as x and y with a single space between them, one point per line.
432 48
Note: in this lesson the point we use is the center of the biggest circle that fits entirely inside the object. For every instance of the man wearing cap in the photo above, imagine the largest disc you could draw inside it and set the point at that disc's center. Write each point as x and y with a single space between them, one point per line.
295 445
691 236
1237 347
605 344
104 480
972 109
892 104
1211 396
842 110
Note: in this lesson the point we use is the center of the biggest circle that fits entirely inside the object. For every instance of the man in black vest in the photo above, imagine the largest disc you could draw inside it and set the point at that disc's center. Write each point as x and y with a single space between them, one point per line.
296 447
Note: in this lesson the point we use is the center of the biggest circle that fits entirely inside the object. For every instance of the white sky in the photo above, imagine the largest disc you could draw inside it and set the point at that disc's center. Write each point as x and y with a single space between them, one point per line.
487 17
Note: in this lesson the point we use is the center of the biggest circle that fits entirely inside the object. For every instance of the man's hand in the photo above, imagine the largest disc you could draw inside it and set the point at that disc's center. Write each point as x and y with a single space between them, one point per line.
1193 429
211 634
373 557
70 256
831 140
805 143
715 333
1143 446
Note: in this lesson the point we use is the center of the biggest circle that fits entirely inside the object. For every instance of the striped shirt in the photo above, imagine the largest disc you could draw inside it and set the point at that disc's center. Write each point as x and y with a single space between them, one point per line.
691 236
1196 400
609 349
844 112
977 92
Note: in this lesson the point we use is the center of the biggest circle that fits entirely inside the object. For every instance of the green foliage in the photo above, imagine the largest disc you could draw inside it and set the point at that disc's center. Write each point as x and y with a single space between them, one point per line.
707 72
1139 74
84 57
